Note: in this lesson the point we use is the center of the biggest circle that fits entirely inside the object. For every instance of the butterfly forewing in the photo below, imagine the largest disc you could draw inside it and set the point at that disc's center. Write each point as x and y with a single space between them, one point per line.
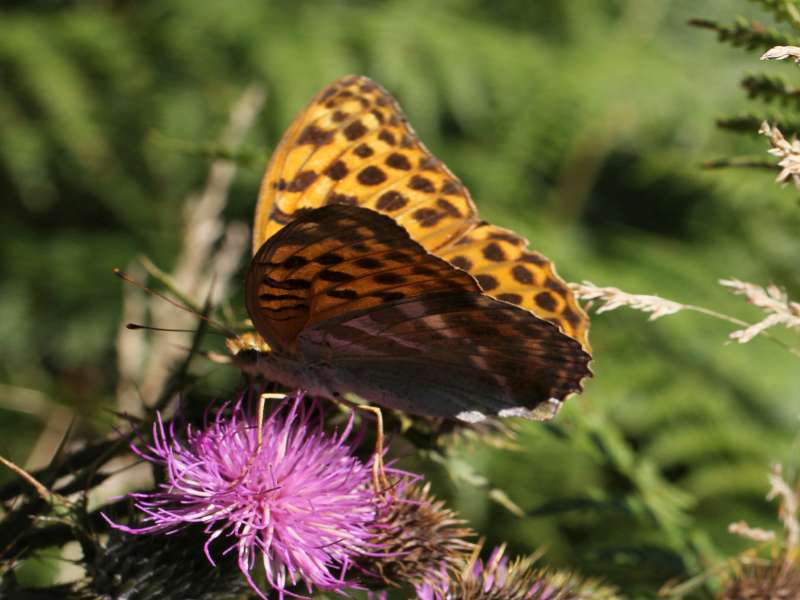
336 260
353 145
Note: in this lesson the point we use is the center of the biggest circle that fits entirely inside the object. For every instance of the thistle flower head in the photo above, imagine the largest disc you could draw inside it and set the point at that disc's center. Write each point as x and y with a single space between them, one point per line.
301 504
518 579
778 580
419 537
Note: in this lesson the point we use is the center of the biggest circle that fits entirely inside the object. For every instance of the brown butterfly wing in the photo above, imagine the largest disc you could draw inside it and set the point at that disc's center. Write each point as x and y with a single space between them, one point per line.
353 145
345 292
460 355
335 260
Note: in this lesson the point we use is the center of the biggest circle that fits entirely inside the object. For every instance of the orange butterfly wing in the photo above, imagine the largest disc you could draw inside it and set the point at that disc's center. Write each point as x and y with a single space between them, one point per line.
508 270
353 145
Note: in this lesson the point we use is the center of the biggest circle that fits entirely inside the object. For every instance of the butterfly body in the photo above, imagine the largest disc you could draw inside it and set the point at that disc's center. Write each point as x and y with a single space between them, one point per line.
291 372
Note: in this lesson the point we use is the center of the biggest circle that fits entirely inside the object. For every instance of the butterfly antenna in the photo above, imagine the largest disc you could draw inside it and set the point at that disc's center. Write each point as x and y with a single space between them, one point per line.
128 279
166 329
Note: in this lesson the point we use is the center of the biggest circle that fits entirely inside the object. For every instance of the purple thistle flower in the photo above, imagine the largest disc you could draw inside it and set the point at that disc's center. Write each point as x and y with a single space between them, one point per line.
302 505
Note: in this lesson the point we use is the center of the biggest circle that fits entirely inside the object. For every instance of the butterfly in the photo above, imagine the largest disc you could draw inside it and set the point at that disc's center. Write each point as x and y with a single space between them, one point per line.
353 145
373 275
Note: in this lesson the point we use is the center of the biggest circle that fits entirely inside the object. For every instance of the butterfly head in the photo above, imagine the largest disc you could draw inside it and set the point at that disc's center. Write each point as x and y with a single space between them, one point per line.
249 340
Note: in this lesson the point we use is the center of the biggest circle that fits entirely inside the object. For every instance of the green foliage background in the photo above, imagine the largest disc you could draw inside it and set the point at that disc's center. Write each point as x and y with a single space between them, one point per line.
579 124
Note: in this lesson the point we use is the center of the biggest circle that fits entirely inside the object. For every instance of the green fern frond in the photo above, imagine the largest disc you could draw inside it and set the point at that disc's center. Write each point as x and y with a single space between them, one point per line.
782 10
772 89
741 162
747 34
750 123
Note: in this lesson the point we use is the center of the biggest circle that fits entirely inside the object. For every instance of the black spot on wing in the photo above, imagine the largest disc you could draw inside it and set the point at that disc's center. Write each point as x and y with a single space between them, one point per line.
387 136
522 274
494 252
391 201
487 282
368 263
545 300
363 151
513 298
335 276
371 175
337 170
398 161
302 180
462 262
336 198
355 130
328 259
315 136
343 294
421 184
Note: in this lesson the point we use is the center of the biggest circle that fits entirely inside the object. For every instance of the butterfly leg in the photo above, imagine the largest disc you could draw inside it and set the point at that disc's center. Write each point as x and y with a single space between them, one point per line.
379 479
262 402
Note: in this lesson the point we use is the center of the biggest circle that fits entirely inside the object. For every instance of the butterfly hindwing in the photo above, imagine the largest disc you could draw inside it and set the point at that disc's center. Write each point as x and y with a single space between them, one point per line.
508 270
